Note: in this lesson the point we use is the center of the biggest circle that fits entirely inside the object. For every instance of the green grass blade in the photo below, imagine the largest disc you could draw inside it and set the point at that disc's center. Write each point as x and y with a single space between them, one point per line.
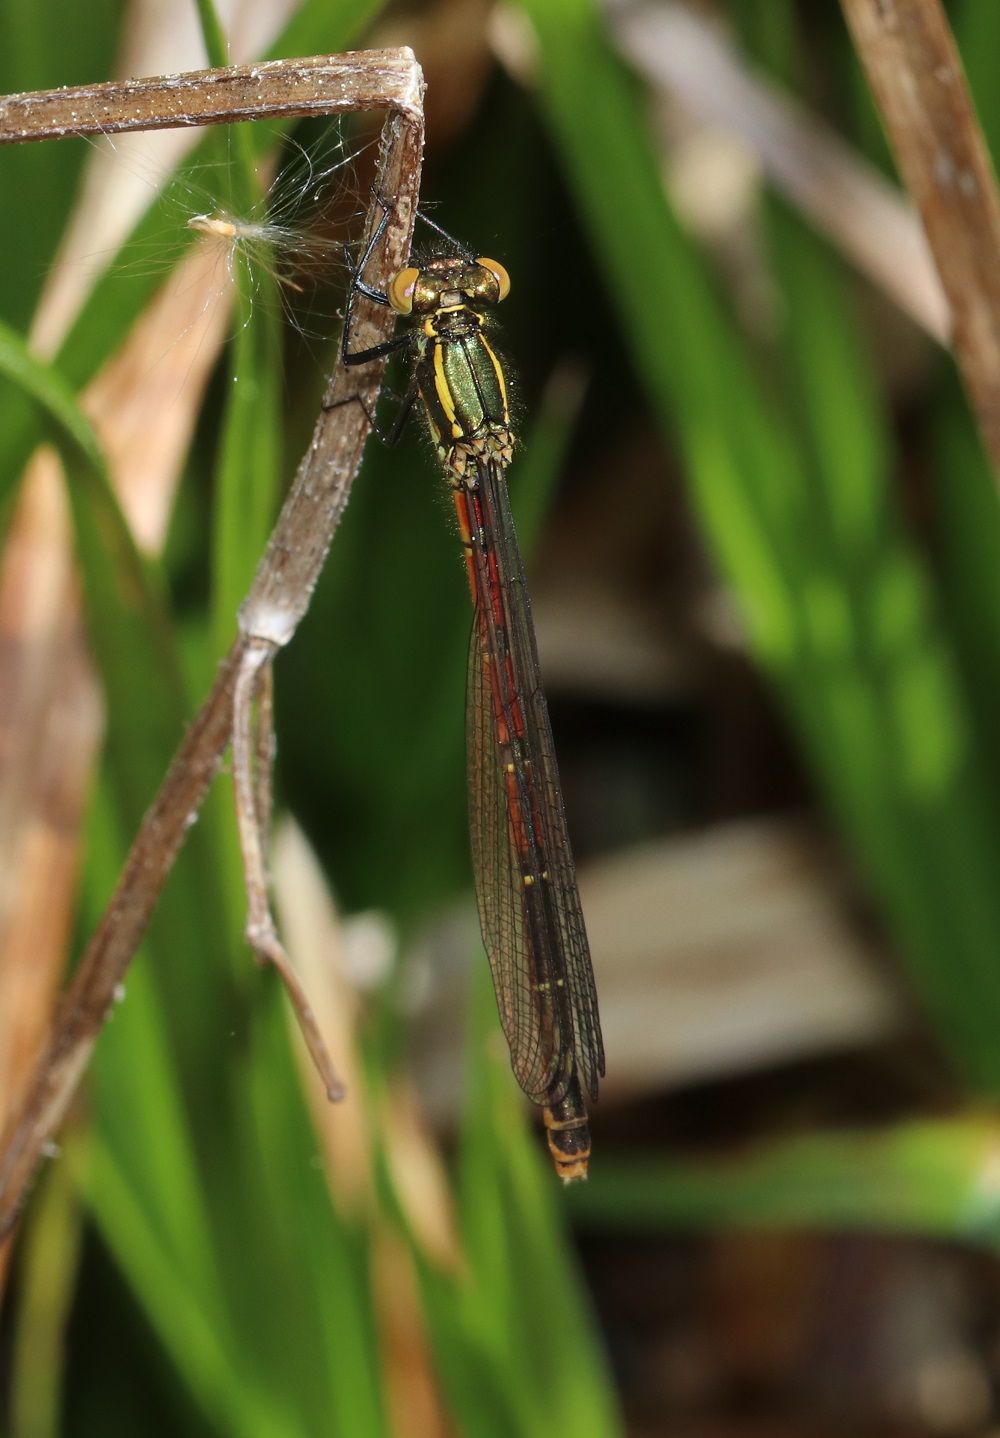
216 44
968 535
319 28
319 1257
40 181
928 1176
229 1392
248 465
48 1263
977 33
525 1294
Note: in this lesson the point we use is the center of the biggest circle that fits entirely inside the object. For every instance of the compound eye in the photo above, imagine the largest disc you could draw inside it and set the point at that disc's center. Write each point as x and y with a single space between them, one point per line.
400 291
498 272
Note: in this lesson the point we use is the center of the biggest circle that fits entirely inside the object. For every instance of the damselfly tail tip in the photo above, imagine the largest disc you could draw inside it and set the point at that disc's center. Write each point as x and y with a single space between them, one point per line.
571 1172
569 1145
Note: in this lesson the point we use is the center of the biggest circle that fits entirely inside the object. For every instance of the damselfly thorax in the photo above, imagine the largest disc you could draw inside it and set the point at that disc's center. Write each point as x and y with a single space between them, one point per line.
459 377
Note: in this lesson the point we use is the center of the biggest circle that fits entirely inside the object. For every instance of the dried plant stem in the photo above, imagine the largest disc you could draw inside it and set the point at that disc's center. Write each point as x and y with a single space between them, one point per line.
317 85
264 752
916 76
283 585
252 765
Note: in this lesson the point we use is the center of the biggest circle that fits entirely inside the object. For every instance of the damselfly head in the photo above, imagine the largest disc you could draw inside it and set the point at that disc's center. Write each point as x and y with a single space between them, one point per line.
421 289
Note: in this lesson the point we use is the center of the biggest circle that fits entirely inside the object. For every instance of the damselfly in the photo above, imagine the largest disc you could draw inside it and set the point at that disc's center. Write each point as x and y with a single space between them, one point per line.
529 904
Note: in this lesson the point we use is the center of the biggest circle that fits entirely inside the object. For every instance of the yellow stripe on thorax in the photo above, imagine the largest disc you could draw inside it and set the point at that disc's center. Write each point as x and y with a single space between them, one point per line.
498 369
443 388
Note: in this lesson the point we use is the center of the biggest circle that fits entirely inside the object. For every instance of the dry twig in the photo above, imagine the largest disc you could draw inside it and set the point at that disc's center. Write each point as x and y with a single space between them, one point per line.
283 585
253 754
916 76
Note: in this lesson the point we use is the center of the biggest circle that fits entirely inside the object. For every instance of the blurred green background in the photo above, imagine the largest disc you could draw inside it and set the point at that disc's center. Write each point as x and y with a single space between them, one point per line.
765 551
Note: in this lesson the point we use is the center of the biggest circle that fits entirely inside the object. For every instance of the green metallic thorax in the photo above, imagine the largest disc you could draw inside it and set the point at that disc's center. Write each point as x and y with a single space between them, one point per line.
462 385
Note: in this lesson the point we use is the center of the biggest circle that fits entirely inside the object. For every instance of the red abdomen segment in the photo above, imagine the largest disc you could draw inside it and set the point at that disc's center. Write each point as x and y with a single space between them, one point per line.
508 717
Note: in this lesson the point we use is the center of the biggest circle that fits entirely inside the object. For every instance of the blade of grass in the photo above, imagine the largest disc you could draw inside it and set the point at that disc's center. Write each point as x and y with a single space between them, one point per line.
484 1390
931 1177
249 458
481 1391
319 28
139 1079
524 1292
325 1254
41 181
48 1266
968 533
977 32
229 1394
